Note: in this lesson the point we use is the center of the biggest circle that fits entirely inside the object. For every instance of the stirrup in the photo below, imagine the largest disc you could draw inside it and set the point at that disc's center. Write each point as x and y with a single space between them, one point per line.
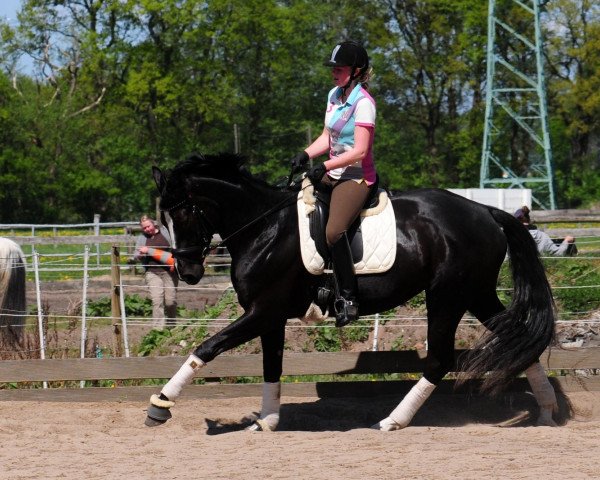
346 311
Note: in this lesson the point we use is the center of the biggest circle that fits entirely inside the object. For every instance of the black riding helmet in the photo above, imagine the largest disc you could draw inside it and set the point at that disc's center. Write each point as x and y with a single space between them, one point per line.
349 54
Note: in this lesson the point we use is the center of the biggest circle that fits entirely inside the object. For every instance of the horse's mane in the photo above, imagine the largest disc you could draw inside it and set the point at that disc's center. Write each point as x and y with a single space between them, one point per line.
223 166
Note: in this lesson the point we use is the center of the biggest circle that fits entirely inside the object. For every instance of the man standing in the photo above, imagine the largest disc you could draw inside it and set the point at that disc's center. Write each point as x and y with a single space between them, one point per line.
152 249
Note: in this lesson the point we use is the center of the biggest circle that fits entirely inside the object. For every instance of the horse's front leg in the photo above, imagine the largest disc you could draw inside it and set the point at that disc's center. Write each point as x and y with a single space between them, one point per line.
248 326
272 347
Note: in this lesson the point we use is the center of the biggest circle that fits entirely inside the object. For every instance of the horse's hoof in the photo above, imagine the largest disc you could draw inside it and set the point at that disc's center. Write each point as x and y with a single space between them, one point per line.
151 422
545 418
157 416
386 425
261 425
255 427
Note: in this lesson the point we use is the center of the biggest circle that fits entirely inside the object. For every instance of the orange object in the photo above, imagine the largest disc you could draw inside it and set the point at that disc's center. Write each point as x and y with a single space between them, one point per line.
162 256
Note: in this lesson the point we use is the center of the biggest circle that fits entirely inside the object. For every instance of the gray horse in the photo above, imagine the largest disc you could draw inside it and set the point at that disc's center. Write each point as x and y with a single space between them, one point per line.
12 293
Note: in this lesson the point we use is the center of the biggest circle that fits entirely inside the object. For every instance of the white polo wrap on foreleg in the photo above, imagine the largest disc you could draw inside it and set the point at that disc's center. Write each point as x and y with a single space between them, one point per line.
543 392
405 411
183 377
271 403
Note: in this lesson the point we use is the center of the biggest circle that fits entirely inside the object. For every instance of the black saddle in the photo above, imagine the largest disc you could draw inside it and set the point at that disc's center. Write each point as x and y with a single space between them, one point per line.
318 221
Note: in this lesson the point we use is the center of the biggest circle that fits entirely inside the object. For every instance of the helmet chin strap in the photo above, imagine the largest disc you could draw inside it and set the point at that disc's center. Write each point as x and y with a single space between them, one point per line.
350 80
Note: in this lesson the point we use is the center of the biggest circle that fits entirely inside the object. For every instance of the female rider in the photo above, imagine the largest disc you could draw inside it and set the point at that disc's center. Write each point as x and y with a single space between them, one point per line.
350 172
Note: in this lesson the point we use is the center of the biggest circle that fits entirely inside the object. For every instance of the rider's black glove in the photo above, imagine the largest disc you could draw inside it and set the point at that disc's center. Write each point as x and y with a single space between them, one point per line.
299 160
316 173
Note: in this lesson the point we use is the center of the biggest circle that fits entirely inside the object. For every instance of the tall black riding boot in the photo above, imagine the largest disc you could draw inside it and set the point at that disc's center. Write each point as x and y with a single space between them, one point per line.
346 306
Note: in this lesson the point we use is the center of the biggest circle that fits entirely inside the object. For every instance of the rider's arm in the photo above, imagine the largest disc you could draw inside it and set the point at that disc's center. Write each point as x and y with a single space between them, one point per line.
320 146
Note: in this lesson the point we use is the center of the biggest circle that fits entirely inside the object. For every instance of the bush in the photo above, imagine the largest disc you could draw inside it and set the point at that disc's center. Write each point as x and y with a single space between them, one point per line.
135 306
325 337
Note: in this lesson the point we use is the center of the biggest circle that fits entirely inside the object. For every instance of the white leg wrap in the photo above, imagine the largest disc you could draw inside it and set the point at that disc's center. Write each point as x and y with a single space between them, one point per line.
405 411
542 389
270 405
183 377
269 414
543 392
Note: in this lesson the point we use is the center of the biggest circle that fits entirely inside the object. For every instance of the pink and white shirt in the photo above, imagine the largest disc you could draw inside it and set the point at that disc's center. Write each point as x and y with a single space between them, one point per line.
340 120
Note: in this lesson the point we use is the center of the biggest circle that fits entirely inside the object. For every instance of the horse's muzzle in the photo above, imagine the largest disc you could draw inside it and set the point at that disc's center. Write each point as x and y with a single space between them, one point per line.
189 273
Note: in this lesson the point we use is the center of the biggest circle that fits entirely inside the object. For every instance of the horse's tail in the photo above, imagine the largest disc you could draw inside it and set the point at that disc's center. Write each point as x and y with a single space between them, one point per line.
519 335
12 291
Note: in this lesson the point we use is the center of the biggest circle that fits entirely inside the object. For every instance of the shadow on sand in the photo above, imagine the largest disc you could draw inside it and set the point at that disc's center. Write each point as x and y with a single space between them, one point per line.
331 412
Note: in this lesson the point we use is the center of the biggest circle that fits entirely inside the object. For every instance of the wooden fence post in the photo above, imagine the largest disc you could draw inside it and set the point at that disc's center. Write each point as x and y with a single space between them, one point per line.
115 298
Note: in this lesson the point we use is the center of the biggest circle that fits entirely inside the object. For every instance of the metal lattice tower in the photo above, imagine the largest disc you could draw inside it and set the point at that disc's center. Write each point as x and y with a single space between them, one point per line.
516 143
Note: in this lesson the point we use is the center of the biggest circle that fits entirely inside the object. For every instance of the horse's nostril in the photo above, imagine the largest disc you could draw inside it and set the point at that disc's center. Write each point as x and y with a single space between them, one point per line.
190 279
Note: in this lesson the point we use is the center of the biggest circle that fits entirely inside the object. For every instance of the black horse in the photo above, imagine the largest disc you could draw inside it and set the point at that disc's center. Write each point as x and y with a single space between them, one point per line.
450 247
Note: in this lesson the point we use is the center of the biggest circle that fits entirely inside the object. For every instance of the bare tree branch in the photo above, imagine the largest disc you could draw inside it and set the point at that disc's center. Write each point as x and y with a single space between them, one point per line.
91 105
14 83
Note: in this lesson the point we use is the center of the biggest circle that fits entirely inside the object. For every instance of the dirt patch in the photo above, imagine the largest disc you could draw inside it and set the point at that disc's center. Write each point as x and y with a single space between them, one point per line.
451 437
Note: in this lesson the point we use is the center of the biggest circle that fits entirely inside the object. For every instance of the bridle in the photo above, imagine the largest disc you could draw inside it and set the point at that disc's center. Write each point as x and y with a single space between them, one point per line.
198 253
195 253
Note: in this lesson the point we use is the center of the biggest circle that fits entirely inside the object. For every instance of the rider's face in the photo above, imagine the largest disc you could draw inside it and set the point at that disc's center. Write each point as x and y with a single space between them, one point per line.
341 75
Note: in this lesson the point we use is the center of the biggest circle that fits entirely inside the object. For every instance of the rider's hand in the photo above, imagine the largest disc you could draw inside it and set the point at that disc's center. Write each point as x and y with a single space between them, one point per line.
299 160
316 173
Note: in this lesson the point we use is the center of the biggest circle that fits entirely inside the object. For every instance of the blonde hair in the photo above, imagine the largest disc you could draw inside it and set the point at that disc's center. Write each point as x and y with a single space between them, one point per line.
365 77
145 218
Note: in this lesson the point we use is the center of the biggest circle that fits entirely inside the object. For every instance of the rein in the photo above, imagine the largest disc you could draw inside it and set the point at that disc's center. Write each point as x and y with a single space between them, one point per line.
190 254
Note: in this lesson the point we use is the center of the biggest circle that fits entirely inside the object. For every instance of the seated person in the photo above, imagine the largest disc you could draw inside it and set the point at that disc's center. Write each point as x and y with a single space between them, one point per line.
544 243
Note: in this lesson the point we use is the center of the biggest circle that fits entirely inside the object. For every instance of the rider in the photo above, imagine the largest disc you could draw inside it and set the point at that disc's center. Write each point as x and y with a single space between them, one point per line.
350 171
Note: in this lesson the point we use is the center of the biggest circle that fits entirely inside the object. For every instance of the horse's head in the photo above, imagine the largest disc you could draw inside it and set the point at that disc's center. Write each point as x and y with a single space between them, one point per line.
189 228
204 195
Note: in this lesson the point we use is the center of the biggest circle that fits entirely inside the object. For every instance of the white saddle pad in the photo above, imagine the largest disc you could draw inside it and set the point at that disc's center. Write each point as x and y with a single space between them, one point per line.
378 226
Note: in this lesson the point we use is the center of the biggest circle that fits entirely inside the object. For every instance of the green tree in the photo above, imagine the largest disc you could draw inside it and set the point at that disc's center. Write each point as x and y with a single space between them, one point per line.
120 85
574 85
430 57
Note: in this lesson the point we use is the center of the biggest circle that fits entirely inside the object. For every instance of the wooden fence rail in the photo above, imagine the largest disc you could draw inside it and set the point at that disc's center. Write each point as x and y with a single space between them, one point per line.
73 240
230 366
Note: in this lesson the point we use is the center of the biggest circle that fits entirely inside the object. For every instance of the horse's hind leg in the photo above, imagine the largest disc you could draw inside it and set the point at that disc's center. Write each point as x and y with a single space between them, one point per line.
272 347
544 393
444 314
484 308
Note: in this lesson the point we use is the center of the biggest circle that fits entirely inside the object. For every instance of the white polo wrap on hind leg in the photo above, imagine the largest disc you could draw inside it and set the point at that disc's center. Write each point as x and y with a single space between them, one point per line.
405 411
183 377
542 389
543 392
271 403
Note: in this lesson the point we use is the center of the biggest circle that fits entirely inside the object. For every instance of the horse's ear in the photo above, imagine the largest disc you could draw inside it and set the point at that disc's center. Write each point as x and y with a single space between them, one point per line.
159 179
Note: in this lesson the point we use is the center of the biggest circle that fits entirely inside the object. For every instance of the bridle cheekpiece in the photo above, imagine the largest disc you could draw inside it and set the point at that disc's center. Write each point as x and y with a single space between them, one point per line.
195 253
